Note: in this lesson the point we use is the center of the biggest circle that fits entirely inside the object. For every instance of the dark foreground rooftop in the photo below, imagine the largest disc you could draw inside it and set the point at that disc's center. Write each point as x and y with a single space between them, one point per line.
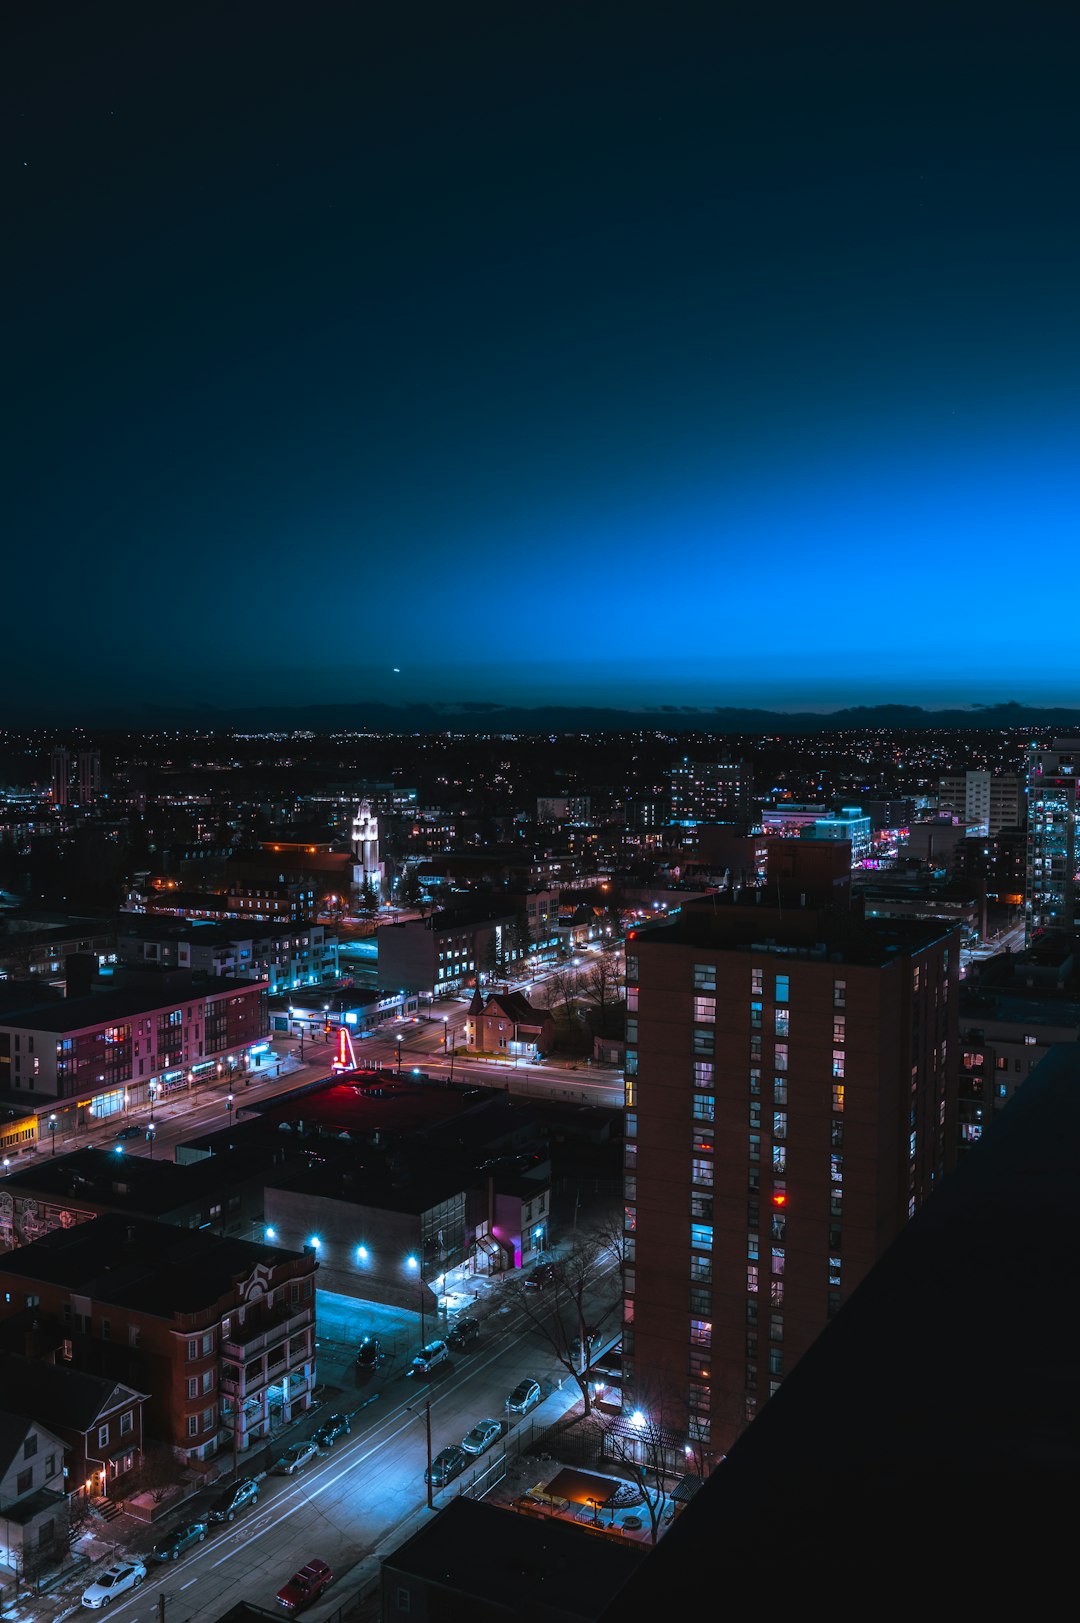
926 1450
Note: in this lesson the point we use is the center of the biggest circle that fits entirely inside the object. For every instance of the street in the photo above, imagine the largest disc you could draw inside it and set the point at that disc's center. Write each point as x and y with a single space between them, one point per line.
368 1485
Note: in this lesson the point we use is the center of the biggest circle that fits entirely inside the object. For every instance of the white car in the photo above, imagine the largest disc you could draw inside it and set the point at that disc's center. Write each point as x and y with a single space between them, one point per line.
114 1581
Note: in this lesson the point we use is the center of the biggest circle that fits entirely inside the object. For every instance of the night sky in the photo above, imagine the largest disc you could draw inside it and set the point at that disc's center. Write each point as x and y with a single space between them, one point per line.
547 352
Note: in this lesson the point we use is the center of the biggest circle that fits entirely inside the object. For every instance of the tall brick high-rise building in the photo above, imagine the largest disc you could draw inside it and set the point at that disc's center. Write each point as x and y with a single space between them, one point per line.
791 1100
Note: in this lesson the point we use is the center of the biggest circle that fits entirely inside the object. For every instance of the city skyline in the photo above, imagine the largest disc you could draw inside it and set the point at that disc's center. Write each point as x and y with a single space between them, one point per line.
596 358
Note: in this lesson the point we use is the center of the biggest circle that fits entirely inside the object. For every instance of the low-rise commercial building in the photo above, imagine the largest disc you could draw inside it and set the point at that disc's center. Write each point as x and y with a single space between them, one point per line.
91 1057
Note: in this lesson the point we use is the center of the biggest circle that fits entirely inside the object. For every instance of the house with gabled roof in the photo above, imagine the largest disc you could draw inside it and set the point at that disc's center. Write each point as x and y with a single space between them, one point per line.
507 1023
33 1504
99 1420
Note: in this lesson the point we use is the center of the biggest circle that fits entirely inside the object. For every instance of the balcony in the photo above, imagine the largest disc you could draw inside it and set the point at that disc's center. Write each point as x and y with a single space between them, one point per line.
246 1342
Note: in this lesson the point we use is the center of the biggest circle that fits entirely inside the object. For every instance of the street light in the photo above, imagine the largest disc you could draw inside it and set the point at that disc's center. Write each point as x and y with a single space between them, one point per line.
229 1102
150 1131
445 1024
398 1041
52 1131
414 1262
152 1090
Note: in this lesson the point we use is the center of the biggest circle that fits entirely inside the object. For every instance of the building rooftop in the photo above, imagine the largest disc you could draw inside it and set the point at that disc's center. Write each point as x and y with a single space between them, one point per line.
69 1397
143 1266
202 932
80 1013
739 925
136 1184
521 1567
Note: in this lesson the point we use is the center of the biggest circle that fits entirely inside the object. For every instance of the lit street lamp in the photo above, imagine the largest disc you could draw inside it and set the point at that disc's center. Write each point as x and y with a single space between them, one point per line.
414 1262
52 1132
150 1131
152 1090
398 1041
229 1102
445 1025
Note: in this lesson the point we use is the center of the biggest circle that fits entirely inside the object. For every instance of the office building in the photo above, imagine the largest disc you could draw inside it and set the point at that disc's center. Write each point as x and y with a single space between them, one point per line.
1050 902
59 775
791 1101
710 791
985 802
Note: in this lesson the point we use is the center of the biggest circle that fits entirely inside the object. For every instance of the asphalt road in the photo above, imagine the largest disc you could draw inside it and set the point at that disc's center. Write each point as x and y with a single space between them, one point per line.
354 1497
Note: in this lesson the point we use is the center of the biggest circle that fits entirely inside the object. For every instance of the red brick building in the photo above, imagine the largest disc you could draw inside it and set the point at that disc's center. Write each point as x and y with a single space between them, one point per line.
220 1333
507 1023
791 1100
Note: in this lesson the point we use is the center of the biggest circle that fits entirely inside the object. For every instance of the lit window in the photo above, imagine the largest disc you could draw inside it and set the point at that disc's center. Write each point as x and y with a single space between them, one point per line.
704 1008
838 1062
838 1097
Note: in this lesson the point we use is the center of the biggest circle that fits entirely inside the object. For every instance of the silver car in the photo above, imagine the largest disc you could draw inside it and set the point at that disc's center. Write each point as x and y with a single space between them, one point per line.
525 1396
483 1434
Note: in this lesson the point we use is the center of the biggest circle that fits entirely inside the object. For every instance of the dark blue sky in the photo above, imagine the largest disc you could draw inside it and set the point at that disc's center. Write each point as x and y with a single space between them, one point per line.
580 353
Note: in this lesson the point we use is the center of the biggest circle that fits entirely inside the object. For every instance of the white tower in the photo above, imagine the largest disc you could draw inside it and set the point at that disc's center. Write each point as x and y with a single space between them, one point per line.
365 844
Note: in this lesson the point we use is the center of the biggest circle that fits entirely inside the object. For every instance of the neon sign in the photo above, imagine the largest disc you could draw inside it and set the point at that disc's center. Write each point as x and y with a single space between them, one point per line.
345 1058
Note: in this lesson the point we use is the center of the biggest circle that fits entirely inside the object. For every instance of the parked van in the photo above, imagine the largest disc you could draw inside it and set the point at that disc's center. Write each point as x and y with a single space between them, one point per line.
429 1358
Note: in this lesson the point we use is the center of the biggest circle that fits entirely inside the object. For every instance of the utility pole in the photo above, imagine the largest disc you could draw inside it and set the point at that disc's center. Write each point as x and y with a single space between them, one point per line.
427 1433
161 1607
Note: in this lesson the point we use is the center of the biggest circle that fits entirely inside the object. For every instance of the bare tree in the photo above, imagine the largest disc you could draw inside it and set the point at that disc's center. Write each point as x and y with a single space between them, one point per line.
601 985
568 1322
650 1447
564 985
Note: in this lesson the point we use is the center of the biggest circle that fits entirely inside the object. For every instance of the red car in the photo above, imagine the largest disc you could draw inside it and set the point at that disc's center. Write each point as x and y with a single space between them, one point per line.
305 1587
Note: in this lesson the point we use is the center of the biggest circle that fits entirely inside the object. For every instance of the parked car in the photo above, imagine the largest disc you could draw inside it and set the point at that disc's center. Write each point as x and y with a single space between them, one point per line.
172 1545
525 1396
115 1580
463 1332
369 1354
129 1132
333 1427
305 1586
542 1276
446 1465
429 1358
296 1458
243 1492
483 1434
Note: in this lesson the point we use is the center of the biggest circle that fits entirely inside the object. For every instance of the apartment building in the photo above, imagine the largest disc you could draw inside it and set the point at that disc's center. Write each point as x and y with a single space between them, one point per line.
218 1332
791 1101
